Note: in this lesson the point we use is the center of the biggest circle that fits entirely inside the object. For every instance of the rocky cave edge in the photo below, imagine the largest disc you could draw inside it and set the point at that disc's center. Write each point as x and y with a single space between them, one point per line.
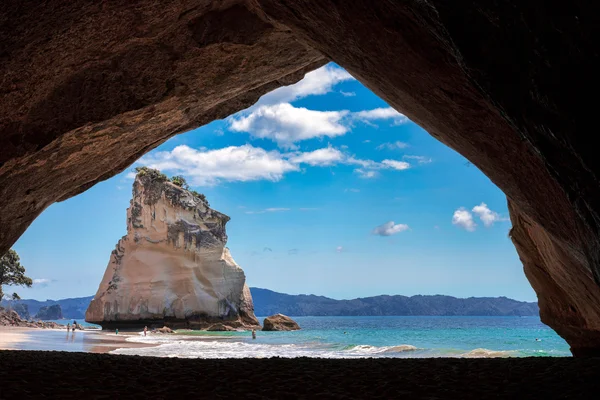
86 89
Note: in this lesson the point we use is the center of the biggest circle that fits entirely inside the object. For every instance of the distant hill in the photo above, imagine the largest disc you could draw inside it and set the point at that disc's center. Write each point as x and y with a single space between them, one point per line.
71 308
268 302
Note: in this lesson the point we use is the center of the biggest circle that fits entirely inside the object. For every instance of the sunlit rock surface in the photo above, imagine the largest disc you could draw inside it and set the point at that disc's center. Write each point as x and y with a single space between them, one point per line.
172 268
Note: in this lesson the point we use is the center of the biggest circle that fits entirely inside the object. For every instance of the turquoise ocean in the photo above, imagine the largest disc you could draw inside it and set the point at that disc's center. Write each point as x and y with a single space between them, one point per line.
359 337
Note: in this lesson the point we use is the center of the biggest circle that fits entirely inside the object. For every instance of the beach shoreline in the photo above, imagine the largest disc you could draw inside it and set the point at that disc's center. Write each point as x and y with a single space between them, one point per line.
87 341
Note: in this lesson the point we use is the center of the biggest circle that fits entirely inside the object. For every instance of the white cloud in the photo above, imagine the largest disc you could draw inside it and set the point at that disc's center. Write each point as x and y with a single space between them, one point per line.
339 249
286 124
389 228
42 282
398 165
347 94
209 167
322 157
487 216
366 174
268 210
203 167
464 219
392 146
317 82
381 114
419 159
366 141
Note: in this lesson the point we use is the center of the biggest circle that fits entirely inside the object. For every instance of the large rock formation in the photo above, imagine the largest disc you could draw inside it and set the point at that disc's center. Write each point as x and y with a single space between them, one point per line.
172 268
86 88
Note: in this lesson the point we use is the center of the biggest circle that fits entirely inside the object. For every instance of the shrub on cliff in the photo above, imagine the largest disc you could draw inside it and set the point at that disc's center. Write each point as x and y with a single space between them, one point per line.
179 181
154 174
12 273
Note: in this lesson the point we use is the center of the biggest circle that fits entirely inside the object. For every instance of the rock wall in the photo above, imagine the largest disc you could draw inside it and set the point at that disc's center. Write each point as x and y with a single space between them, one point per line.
172 268
86 88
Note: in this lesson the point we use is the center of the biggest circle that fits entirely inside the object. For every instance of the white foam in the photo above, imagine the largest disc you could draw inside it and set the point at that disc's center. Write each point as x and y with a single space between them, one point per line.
193 347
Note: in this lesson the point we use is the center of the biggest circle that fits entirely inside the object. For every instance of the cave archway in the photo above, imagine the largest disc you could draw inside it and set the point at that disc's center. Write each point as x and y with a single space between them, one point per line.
88 89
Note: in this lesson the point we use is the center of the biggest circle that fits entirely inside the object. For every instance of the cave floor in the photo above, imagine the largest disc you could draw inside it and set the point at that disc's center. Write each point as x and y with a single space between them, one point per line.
38 374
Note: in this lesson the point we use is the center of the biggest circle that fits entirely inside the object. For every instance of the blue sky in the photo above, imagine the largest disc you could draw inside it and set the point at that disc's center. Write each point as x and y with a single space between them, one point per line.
330 192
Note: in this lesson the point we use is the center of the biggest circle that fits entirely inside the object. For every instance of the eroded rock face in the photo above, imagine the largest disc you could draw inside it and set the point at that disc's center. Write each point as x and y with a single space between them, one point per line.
172 267
87 89
280 322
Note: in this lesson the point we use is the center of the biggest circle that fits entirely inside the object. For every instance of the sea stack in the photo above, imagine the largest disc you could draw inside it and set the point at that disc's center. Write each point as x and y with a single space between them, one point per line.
172 268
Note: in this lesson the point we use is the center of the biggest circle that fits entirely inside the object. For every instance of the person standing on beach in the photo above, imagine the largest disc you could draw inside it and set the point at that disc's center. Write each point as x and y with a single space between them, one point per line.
145 330
68 328
253 333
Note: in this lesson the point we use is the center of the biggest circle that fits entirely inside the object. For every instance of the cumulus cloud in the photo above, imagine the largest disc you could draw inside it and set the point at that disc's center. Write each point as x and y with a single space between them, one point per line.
339 249
245 163
389 228
392 146
286 124
464 219
208 167
347 94
317 82
419 159
487 216
381 113
393 164
321 157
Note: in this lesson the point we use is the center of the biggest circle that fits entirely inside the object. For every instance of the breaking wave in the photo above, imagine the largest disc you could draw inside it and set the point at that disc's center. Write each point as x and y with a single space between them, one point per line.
222 347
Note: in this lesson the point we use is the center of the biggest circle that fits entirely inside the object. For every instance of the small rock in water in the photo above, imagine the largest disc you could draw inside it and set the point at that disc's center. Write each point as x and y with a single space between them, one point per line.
280 322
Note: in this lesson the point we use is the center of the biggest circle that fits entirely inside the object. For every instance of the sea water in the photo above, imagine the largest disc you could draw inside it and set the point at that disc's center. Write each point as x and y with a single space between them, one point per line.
359 337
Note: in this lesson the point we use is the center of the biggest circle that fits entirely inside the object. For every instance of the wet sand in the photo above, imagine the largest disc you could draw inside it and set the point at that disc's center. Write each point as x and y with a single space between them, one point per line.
35 374
88 341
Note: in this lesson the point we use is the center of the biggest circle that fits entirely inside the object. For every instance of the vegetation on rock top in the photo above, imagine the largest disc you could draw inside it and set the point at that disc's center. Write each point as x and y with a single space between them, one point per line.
177 180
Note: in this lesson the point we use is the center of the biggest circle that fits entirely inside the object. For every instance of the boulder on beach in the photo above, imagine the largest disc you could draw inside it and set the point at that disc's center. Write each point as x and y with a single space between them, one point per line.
164 329
280 322
218 327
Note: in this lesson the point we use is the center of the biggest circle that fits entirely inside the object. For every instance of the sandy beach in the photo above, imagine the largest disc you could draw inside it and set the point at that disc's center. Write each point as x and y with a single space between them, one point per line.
87 341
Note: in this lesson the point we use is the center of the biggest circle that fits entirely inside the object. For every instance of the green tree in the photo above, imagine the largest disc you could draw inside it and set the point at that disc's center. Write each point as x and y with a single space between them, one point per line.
12 273
179 181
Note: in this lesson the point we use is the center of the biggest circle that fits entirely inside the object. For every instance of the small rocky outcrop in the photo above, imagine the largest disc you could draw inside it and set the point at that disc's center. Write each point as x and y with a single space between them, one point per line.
172 268
164 329
280 322
11 318
49 312
220 328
